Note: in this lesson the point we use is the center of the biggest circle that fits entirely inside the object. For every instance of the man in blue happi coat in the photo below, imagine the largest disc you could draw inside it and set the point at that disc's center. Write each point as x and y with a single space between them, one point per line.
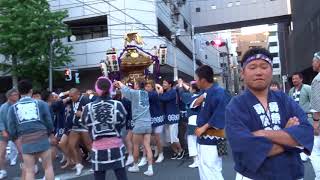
266 129
210 124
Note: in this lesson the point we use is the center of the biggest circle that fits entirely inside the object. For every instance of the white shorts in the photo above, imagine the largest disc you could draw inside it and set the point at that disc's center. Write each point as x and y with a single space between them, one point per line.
157 130
209 167
192 145
171 131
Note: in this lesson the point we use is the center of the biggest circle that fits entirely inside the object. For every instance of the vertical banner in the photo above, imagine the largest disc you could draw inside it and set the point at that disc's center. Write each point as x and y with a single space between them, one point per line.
112 61
163 54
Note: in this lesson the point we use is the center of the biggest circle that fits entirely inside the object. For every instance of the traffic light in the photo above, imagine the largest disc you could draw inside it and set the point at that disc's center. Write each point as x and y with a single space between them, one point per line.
77 78
67 74
216 43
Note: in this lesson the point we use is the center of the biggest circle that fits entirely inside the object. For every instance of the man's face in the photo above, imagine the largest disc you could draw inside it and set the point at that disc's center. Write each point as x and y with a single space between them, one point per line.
296 80
316 65
166 85
55 97
14 97
74 96
257 75
52 98
148 87
36 96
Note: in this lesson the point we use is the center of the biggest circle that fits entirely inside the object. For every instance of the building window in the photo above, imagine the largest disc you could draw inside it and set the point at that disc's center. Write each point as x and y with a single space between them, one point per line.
197 9
166 1
275 55
230 4
272 44
238 3
276 65
272 33
89 28
223 65
213 7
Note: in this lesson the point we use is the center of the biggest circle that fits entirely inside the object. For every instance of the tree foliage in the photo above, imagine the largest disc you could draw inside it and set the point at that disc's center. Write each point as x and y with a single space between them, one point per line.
27 28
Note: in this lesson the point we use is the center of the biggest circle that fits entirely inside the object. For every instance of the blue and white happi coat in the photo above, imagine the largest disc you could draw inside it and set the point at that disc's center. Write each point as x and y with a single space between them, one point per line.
105 118
30 120
170 106
156 110
213 112
245 114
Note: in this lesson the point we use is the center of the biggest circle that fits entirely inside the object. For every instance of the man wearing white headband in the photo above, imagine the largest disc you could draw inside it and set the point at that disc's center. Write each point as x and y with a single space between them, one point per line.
315 108
266 129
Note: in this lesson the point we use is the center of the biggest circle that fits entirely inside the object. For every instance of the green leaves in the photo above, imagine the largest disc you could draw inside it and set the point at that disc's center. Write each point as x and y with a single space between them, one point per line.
27 28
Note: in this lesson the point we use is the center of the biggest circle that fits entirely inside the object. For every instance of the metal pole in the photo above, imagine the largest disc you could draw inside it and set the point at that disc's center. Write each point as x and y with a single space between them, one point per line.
193 52
228 65
226 74
236 80
50 64
175 66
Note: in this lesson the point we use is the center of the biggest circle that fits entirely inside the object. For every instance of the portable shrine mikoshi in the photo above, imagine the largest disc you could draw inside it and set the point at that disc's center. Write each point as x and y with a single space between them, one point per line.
133 62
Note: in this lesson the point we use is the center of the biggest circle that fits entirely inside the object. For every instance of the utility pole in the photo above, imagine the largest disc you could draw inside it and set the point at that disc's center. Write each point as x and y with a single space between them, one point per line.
236 78
193 52
175 65
228 65
174 14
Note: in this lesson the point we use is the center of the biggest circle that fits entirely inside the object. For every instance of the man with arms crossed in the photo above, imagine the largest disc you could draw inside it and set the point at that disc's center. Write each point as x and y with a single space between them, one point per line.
266 129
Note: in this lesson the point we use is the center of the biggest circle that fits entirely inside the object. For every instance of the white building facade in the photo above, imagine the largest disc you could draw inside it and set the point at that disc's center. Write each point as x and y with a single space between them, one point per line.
99 25
237 12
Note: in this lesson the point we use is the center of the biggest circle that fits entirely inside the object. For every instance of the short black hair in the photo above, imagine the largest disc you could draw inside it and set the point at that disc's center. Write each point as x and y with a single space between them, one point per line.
104 85
141 82
275 83
299 74
205 72
254 51
45 95
36 92
169 81
24 86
